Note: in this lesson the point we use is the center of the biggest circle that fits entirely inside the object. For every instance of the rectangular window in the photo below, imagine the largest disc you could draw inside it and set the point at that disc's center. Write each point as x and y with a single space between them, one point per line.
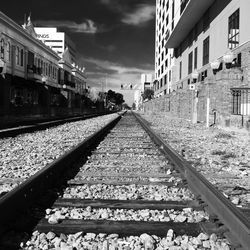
241 101
206 51
22 57
172 26
166 63
2 49
234 29
165 79
31 58
190 62
180 71
167 5
195 57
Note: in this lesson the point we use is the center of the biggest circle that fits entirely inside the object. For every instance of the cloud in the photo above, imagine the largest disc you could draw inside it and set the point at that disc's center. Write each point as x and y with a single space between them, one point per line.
88 26
116 67
141 15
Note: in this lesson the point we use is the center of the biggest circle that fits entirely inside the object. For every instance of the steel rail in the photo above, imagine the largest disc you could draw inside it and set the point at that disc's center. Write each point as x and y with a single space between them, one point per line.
35 126
237 223
20 198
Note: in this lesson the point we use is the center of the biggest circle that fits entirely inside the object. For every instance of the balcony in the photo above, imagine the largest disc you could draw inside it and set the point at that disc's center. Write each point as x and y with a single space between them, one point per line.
34 73
191 12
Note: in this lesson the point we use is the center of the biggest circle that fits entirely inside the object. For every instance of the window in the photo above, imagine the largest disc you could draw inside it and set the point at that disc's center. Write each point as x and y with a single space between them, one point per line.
2 49
241 101
233 29
17 56
206 51
8 52
21 57
180 71
195 57
167 5
190 62
166 63
172 15
169 75
166 79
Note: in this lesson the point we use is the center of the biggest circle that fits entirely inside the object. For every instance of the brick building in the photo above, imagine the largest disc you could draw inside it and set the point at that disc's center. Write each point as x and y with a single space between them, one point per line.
210 65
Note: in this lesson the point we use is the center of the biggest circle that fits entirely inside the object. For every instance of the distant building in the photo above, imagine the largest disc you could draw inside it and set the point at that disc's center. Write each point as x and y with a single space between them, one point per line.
146 81
57 41
164 63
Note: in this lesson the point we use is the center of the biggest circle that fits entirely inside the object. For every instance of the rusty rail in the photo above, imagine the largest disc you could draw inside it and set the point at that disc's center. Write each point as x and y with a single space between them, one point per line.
237 223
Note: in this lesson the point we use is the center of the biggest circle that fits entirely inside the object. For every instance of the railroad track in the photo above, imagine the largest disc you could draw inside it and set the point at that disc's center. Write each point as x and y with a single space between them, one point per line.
40 125
119 195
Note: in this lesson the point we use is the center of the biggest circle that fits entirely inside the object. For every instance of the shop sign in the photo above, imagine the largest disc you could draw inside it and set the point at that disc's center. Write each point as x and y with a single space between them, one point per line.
43 36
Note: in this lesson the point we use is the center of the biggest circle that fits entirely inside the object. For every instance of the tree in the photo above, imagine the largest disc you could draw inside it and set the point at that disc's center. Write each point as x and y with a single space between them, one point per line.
114 97
148 94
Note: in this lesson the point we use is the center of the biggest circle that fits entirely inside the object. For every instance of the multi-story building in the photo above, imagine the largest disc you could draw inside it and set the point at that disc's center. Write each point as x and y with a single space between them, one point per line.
210 41
34 79
164 63
57 41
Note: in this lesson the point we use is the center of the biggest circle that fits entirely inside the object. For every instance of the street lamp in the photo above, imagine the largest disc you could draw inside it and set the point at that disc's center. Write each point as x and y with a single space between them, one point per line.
228 58
215 66
195 75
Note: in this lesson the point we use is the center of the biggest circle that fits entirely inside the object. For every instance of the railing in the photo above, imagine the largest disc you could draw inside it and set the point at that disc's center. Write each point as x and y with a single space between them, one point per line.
34 69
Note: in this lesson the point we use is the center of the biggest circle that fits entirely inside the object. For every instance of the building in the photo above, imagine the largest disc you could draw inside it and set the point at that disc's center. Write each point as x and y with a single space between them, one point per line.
164 63
146 82
34 79
31 70
57 41
210 68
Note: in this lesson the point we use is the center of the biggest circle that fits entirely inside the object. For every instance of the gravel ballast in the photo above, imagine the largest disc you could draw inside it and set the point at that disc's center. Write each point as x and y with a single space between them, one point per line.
128 192
102 241
24 155
186 215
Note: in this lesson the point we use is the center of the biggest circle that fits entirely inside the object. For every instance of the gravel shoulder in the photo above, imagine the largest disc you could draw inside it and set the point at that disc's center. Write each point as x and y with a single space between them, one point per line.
222 156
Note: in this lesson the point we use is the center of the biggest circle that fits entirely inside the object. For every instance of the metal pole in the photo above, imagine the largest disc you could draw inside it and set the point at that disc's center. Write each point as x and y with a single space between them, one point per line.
208 106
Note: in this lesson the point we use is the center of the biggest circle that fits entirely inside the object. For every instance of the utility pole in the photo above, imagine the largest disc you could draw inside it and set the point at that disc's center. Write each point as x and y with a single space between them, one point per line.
106 89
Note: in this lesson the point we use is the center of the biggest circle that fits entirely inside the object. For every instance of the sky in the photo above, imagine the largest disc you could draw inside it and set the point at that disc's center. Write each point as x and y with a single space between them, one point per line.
114 38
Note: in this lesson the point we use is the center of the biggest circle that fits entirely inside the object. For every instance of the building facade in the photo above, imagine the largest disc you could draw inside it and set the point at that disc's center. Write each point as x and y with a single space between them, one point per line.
57 41
146 82
34 79
210 41
164 61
